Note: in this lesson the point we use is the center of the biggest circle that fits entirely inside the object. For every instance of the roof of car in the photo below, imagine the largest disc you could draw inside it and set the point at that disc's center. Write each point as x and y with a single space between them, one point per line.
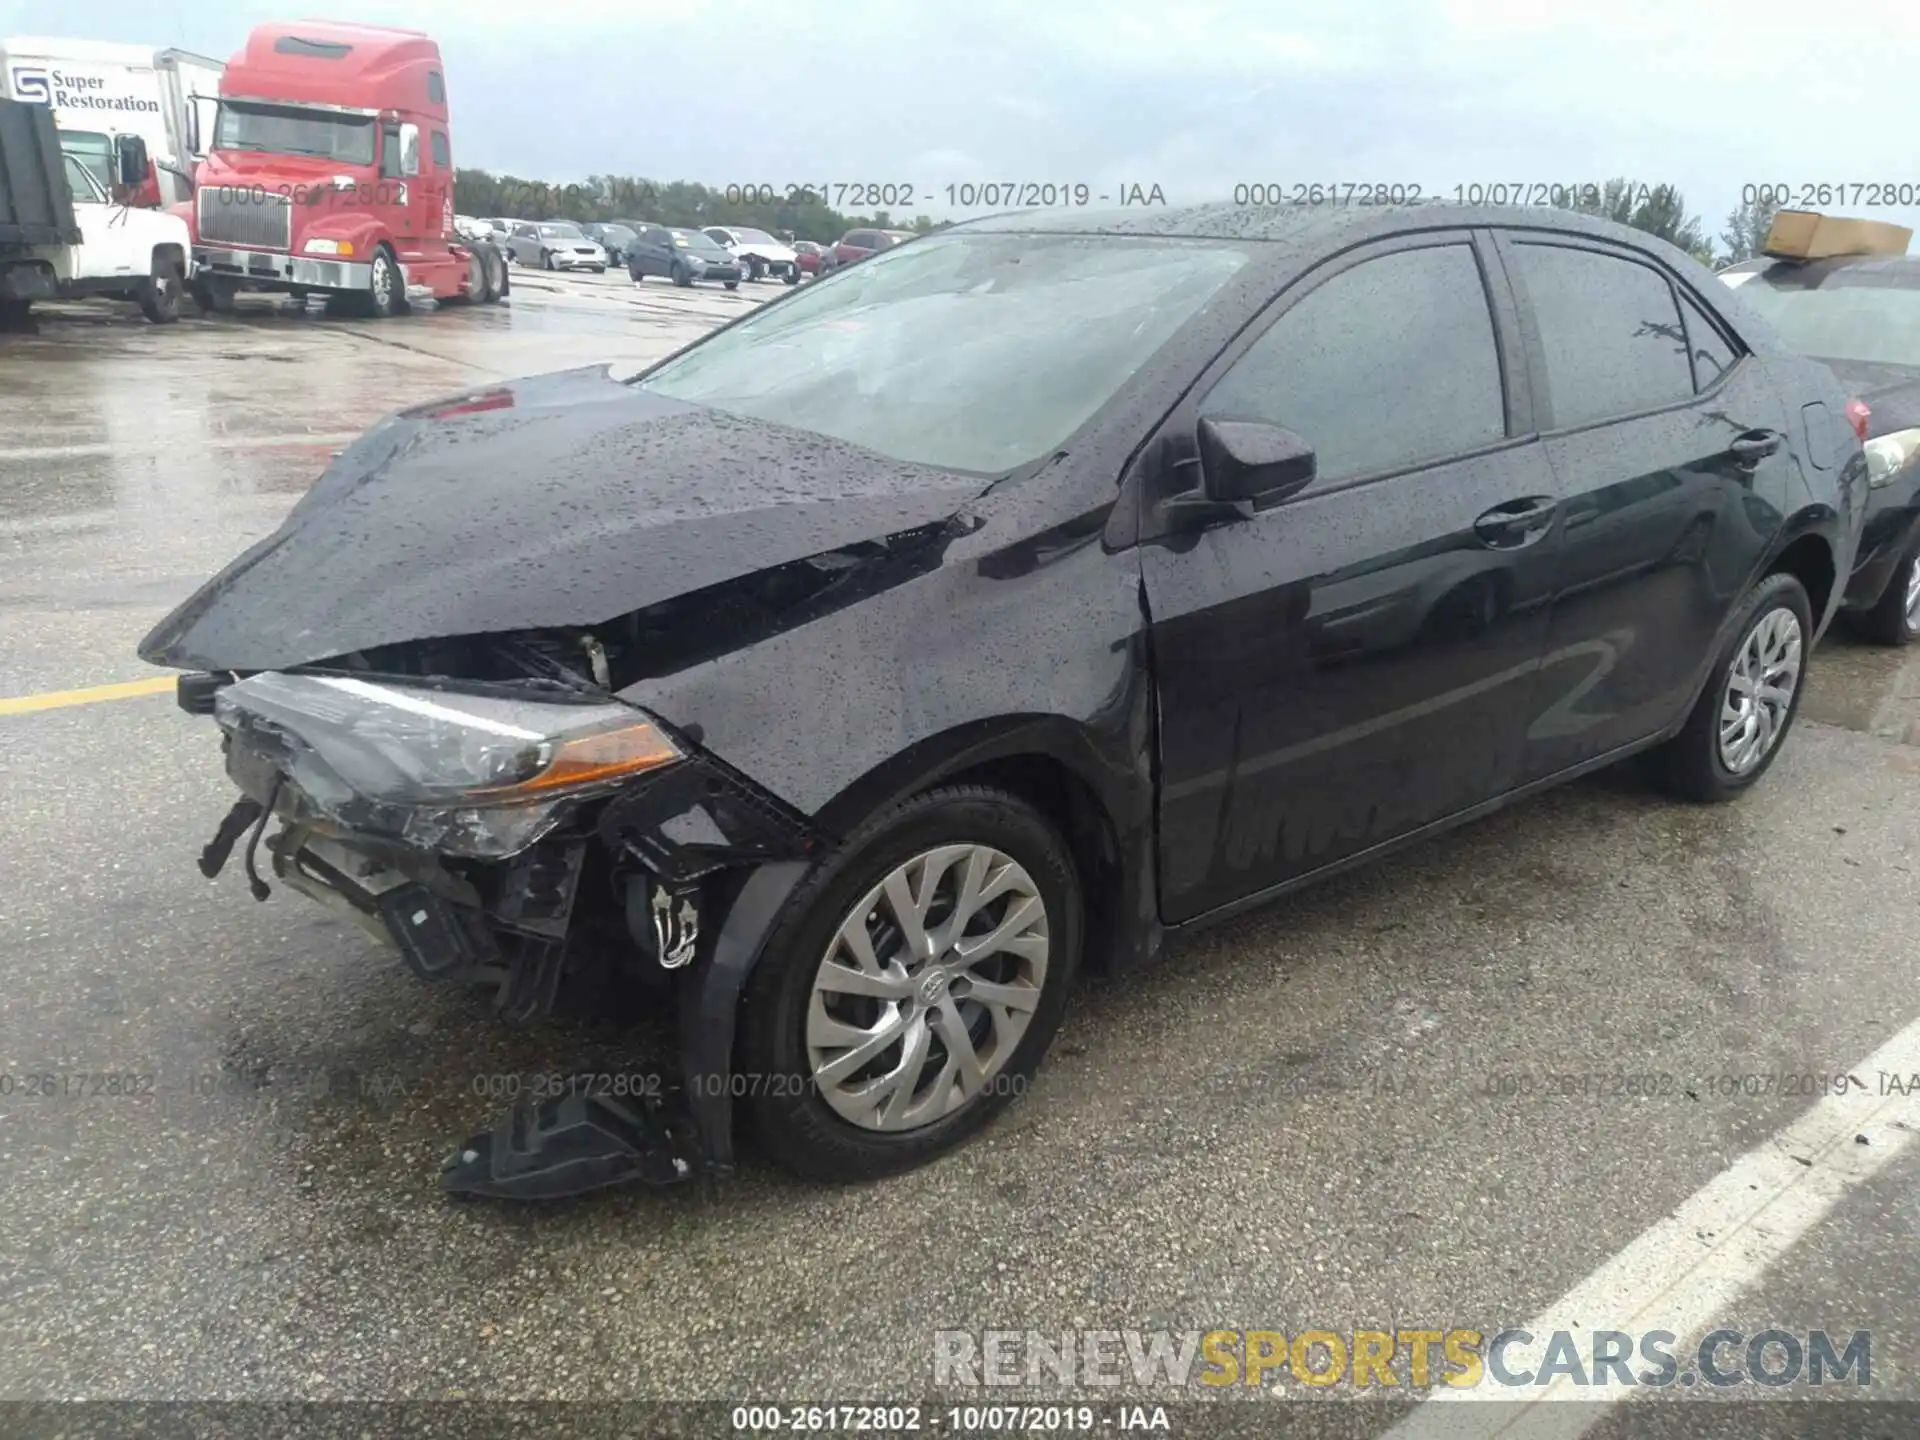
1304 225
1892 272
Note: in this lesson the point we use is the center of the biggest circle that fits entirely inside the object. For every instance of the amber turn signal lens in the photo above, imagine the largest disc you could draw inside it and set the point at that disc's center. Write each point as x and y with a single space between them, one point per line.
590 759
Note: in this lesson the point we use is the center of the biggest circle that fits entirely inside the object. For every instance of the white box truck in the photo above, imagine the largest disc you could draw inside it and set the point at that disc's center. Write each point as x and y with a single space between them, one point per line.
63 237
100 91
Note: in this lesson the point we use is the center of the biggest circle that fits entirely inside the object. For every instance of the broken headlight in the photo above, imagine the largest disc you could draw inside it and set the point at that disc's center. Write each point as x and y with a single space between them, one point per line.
464 774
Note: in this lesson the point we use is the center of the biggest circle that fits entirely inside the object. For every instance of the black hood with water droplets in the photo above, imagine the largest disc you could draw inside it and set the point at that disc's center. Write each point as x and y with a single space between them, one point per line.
565 499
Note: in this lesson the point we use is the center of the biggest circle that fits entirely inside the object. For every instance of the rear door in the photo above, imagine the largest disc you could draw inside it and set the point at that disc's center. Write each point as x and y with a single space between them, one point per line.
1642 398
1353 663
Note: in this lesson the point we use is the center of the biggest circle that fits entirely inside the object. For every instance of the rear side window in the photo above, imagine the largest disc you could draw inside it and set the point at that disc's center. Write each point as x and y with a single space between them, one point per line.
865 239
442 152
1610 333
1712 356
1381 367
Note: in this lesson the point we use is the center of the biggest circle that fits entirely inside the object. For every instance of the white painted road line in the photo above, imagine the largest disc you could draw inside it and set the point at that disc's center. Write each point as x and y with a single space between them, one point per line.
1684 1273
167 444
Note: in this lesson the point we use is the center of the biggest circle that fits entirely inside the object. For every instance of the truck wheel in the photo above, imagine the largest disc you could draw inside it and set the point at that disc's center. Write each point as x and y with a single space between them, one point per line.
214 296
160 296
476 293
491 271
385 288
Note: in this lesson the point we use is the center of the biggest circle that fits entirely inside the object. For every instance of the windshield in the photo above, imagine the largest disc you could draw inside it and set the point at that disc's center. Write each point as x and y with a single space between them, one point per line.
1871 324
755 237
293 130
695 240
565 230
971 352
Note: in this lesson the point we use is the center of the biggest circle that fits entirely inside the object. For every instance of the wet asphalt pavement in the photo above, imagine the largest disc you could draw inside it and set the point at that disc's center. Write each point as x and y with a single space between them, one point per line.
1290 1122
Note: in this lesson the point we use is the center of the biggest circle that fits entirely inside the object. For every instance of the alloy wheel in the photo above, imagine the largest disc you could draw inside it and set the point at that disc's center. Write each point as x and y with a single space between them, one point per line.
927 987
1913 594
1760 690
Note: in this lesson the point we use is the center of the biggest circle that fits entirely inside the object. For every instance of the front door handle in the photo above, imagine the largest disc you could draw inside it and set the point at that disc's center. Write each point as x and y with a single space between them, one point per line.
1753 446
1516 523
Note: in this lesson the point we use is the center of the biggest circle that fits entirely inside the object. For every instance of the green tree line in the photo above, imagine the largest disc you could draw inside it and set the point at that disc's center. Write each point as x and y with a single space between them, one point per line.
1658 209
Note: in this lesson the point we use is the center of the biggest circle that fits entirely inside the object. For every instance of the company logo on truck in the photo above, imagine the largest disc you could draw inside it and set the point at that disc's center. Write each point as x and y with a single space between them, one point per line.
66 90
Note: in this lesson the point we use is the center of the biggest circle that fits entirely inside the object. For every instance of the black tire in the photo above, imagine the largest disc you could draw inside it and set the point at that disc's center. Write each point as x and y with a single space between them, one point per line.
546 260
16 314
598 269
386 294
793 1125
681 276
732 284
1890 622
496 270
1690 765
214 296
754 268
476 292
792 277
160 296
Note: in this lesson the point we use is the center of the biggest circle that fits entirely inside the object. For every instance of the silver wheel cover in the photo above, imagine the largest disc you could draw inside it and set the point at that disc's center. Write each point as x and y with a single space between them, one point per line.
927 987
1760 690
1913 594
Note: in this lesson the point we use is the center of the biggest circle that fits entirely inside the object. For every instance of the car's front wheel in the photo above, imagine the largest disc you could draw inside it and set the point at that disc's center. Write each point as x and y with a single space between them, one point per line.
911 986
1752 694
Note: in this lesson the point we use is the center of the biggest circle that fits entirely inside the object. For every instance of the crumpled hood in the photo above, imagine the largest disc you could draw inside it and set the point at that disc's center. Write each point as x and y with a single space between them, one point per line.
564 499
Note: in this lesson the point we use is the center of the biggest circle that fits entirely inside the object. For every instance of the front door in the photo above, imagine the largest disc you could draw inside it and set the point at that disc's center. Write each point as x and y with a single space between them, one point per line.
1353 663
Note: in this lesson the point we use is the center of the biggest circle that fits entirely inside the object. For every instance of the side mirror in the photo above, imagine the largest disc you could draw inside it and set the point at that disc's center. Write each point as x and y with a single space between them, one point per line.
409 149
1254 460
130 159
193 127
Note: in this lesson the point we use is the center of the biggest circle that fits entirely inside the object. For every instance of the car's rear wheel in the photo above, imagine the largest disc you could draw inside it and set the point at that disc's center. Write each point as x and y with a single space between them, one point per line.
911 986
1751 697
1895 617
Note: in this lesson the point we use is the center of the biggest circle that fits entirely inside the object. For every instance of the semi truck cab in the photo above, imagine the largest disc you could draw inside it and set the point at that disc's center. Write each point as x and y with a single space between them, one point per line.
330 171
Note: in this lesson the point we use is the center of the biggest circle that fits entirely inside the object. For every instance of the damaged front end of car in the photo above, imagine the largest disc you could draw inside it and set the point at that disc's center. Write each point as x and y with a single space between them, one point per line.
489 808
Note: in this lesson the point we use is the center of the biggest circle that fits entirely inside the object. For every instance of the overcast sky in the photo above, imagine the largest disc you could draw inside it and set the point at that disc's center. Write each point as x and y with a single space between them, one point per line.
1196 98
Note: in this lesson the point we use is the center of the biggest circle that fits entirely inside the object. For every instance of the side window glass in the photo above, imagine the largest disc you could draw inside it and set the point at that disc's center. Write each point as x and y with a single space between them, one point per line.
1385 365
1712 356
1609 332
390 152
442 152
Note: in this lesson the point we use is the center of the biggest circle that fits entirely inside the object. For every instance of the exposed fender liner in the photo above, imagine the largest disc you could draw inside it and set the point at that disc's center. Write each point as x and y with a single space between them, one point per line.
710 1003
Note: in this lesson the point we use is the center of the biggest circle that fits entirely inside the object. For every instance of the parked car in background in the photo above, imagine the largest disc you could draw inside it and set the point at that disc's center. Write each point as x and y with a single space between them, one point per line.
858 244
555 245
1860 316
806 255
681 255
612 237
758 252
1252 548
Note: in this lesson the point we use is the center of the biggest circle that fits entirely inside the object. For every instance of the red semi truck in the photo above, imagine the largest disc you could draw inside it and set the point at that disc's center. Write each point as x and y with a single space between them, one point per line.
330 172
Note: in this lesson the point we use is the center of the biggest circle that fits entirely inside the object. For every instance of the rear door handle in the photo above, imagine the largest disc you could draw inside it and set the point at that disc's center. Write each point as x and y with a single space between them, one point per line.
1516 523
1754 446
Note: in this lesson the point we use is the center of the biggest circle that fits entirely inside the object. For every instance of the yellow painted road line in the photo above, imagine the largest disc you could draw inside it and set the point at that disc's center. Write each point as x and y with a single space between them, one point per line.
59 699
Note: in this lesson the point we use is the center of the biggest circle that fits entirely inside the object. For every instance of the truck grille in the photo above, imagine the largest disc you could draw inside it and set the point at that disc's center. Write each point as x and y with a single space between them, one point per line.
239 215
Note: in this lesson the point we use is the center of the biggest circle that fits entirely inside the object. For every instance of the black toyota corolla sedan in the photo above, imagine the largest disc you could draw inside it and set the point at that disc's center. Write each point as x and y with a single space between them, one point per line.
994 609
1861 315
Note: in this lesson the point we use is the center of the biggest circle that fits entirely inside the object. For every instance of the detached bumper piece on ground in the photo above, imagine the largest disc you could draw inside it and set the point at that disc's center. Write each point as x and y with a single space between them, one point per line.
574 1143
